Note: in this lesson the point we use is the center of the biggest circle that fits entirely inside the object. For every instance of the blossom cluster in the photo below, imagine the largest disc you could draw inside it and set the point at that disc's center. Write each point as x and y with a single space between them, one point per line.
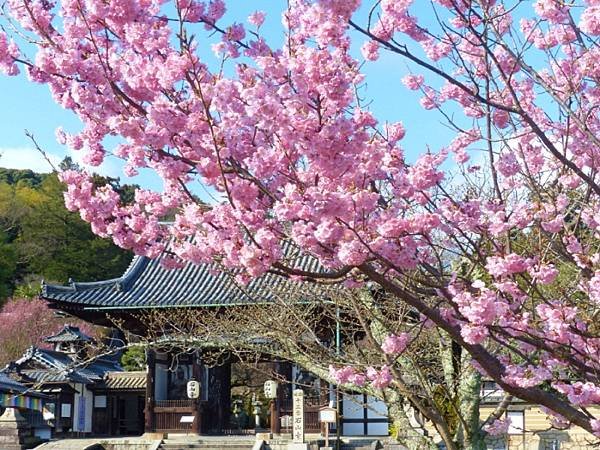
500 251
378 378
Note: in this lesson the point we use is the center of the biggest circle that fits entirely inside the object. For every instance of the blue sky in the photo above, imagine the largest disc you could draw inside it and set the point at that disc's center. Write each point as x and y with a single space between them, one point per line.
26 105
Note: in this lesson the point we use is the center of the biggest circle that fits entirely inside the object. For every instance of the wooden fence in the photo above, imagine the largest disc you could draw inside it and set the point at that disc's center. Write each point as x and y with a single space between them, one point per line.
168 414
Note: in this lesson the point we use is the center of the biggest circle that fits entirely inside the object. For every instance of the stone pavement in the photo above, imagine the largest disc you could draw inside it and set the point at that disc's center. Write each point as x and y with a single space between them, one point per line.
189 442
129 443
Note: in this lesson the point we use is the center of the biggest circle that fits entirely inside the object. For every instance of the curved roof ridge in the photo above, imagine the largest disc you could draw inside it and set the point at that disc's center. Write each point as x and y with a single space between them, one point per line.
147 283
123 282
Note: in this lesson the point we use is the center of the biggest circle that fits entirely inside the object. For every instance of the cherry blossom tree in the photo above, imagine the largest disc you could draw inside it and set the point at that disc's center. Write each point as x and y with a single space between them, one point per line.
25 322
435 390
500 251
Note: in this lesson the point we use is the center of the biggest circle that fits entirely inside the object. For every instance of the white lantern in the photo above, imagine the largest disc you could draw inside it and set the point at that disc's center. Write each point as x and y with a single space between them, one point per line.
193 389
270 389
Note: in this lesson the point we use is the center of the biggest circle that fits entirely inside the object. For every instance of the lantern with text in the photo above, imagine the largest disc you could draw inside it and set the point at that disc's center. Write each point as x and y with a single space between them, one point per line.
270 389
193 389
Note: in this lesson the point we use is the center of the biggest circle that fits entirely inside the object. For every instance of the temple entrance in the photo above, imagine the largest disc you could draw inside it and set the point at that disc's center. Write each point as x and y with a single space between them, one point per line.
232 399
118 415
169 409
252 412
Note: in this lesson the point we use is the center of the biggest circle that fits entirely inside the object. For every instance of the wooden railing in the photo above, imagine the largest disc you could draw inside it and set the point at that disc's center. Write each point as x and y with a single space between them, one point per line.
168 414
174 403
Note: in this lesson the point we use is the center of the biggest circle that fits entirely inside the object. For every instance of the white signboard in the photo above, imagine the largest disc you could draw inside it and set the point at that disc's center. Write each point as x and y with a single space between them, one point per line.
65 410
193 389
298 416
100 401
327 415
186 419
286 421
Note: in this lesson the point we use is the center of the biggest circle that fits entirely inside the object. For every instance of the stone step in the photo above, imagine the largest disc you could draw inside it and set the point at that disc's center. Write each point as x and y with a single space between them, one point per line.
222 445
228 446
212 446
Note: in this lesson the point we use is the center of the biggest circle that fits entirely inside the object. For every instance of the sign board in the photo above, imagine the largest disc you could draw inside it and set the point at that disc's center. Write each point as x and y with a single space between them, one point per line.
270 389
100 401
65 410
327 415
286 421
193 389
48 411
186 419
298 416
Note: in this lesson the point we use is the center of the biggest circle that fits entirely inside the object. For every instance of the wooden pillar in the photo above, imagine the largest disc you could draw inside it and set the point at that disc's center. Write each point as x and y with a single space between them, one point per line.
224 395
275 421
284 370
109 412
149 425
275 403
197 375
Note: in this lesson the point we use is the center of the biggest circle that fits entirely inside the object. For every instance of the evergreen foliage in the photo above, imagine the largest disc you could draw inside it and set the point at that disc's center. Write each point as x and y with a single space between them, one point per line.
41 239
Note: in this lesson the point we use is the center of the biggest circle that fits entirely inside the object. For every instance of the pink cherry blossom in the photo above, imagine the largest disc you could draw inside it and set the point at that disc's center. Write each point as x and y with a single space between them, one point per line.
257 18
342 375
413 82
395 344
381 378
496 247
8 53
498 427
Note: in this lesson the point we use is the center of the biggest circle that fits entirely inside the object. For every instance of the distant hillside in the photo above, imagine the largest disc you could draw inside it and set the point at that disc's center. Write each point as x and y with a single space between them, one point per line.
15 176
41 239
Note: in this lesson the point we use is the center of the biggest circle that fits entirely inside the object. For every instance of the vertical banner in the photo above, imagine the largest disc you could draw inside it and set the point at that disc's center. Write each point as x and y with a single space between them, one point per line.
81 414
298 416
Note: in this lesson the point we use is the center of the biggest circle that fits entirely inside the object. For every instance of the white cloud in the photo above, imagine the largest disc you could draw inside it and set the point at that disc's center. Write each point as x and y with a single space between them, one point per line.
30 158
27 158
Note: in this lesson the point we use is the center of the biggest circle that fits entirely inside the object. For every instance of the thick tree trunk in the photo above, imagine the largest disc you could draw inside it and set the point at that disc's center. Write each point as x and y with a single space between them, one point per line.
464 384
407 431
469 391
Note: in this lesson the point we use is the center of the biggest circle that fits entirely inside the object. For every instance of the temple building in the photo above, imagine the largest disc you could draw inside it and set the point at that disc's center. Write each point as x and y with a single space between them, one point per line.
78 389
148 285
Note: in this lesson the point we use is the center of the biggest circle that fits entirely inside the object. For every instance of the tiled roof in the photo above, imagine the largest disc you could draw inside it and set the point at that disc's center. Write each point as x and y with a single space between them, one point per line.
126 381
56 367
50 376
11 386
69 333
7 384
146 283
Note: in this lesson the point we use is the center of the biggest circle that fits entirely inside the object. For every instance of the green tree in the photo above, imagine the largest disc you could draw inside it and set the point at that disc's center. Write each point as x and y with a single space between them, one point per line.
41 239
24 177
8 265
56 244
134 358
